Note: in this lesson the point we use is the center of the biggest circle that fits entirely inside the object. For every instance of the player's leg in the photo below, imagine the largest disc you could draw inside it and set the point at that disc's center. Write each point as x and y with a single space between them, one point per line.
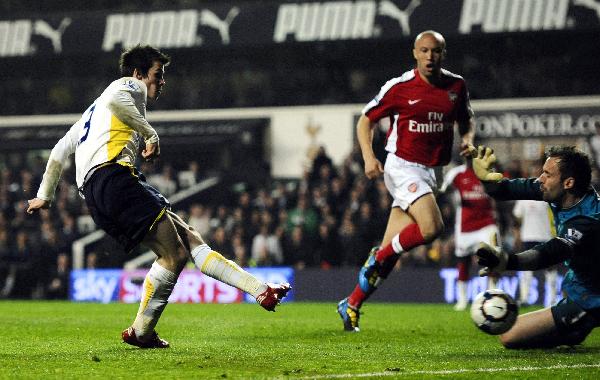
213 264
563 324
550 278
372 273
463 266
420 224
415 218
525 278
158 285
381 262
375 270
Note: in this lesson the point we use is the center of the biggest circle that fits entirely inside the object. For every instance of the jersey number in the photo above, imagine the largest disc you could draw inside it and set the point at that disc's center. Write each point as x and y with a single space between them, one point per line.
87 125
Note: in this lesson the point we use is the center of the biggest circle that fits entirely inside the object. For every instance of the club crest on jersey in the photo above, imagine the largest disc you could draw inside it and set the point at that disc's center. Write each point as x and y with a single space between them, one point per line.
131 84
452 96
412 187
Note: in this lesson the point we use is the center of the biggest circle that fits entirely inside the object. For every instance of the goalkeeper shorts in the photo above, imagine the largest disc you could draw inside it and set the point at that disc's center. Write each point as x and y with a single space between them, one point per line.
572 320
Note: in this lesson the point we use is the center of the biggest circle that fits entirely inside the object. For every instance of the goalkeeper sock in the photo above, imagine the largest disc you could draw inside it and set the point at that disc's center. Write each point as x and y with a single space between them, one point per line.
213 264
158 286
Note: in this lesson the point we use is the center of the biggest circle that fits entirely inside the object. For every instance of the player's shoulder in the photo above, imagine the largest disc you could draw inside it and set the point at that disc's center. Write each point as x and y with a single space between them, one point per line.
579 227
454 79
449 74
129 84
406 77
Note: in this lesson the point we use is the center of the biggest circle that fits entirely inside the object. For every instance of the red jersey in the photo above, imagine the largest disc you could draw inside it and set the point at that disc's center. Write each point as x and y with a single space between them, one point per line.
476 209
421 116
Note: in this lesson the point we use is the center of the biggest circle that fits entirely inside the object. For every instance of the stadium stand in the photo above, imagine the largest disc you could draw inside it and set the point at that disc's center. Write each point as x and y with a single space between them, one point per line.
328 218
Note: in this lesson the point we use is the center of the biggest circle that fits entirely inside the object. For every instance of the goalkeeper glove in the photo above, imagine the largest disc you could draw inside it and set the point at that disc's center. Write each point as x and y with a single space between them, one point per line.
492 259
483 160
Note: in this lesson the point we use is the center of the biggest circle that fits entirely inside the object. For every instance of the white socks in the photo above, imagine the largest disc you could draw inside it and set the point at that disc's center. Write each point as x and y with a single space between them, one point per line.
551 278
524 284
213 264
157 288
462 292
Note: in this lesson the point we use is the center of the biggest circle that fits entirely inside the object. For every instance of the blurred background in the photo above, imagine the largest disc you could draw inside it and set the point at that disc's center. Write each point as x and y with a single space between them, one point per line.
257 124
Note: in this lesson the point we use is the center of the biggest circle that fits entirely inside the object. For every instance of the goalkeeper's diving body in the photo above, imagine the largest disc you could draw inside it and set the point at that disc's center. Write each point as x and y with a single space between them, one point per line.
565 184
105 143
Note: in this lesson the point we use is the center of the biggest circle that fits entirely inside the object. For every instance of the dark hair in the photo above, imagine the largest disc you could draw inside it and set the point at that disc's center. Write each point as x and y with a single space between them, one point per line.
573 163
141 58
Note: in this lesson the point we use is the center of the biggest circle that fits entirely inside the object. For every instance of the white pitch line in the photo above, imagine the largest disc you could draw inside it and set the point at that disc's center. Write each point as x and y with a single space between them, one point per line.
449 371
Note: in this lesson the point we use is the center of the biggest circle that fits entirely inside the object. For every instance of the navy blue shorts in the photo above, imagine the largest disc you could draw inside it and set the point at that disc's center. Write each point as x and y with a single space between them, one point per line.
123 204
572 320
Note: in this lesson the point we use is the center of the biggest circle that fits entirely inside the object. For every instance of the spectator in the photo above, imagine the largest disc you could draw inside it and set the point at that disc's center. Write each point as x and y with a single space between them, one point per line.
303 216
266 248
58 281
199 219
298 252
328 251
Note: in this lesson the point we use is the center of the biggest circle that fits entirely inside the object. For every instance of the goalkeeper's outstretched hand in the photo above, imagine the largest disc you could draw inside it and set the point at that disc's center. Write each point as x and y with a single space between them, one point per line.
483 162
492 259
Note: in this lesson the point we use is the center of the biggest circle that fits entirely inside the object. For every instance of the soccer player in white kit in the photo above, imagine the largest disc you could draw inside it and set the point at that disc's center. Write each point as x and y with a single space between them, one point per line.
105 143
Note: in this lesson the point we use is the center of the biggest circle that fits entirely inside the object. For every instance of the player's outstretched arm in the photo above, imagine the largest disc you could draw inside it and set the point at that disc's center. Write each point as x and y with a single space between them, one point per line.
57 160
483 164
35 204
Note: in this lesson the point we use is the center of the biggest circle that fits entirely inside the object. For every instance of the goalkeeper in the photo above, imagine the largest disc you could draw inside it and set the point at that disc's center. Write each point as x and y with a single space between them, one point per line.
565 184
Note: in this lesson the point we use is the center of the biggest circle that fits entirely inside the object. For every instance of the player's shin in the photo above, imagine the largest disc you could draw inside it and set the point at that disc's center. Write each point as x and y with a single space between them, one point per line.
213 264
158 286
371 275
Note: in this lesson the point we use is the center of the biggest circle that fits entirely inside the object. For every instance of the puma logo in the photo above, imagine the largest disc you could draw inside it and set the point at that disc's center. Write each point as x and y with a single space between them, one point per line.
411 102
590 4
42 28
389 9
208 18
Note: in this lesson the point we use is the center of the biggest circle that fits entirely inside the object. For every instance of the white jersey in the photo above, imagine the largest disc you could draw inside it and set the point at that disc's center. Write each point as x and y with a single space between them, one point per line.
537 221
107 131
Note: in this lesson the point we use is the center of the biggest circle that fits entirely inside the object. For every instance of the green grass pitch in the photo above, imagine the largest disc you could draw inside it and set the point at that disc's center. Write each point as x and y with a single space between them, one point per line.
61 340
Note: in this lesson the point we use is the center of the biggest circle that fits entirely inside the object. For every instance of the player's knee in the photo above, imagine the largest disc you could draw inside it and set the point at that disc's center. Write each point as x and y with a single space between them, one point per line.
177 259
194 237
432 230
508 342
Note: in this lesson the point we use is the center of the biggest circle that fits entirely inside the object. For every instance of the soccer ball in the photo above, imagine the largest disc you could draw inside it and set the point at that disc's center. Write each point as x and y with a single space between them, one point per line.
494 312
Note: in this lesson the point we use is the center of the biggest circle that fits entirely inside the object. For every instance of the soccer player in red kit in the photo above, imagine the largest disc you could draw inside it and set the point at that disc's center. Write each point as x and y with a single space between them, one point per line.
423 105
475 222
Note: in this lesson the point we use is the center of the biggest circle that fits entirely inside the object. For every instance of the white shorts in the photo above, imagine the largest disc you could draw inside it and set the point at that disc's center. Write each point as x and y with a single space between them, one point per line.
407 181
465 243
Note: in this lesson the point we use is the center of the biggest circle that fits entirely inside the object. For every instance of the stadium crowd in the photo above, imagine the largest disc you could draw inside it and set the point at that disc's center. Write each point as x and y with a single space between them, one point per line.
331 217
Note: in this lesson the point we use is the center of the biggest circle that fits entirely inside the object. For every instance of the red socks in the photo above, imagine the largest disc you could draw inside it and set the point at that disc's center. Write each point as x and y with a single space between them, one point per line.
408 238
357 297
387 256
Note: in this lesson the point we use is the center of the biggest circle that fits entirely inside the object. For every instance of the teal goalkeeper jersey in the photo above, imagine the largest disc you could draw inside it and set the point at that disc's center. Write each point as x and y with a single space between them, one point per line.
579 227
